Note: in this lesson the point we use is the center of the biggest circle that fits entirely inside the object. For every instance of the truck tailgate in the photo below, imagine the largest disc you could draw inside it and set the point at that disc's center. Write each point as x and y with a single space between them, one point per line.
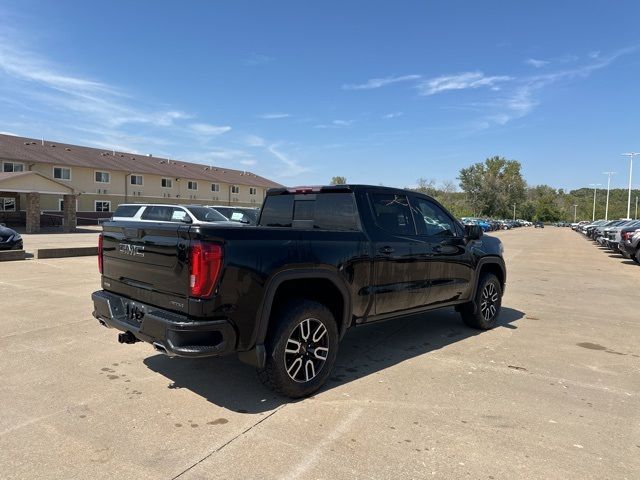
151 256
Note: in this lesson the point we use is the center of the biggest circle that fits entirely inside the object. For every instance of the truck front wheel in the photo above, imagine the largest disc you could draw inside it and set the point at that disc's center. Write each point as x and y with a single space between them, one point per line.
488 303
302 349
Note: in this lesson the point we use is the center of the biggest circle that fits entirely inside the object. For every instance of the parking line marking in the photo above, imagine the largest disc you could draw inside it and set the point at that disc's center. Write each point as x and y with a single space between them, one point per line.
312 458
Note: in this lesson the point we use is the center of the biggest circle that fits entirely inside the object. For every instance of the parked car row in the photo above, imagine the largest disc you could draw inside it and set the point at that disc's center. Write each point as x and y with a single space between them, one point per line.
489 225
191 214
620 236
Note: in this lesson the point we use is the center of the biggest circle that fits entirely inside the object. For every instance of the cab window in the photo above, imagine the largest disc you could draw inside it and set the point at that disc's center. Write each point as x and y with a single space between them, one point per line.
431 220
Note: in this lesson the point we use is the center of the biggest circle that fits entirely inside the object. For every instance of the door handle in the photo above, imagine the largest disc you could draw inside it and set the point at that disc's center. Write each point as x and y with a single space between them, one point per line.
443 243
386 250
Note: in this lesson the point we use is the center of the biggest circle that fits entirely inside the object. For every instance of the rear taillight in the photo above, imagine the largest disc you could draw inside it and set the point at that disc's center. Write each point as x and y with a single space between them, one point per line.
100 240
205 264
625 236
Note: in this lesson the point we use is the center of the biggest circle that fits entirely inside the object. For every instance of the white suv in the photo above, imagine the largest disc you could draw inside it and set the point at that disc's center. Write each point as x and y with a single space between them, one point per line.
154 212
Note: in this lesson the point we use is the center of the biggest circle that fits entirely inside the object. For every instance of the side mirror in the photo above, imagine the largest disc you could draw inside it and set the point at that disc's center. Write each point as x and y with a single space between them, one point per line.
473 232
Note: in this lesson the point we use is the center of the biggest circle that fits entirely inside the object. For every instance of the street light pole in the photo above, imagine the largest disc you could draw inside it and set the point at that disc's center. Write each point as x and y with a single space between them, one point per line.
514 211
575 213
630 155
606 210
595 189
636 207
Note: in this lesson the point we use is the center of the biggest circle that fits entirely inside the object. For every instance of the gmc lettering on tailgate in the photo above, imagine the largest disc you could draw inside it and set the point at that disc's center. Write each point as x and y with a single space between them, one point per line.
133 250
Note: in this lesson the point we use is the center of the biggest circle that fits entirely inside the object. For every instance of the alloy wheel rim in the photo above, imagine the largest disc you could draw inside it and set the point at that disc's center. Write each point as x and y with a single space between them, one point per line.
306 350
489 301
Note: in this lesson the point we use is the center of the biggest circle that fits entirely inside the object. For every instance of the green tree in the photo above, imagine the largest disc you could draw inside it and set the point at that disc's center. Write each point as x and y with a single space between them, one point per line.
493 186
338 180
547 202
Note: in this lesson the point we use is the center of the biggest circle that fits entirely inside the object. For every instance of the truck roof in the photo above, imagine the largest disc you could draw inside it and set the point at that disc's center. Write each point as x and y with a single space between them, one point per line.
351 187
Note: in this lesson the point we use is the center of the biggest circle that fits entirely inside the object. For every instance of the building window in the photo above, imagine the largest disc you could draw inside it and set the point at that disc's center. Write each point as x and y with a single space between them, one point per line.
215 187
252 190
103 177
135 180
62 173
191 185
12 167
61 204
7 204
166 183
235 189
103 206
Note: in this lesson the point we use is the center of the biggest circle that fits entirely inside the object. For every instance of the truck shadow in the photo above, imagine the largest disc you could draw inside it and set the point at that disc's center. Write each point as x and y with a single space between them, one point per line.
233 385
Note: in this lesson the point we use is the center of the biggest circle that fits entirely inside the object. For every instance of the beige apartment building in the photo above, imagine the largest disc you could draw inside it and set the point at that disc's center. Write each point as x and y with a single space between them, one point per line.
100 179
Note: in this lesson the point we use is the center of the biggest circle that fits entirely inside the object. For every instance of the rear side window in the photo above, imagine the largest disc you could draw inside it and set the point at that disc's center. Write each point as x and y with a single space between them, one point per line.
164 214
324 211
126 211
336 211
393 213
277 211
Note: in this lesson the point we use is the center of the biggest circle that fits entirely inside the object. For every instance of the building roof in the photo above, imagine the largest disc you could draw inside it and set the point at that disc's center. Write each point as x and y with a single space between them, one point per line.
31 182
30 150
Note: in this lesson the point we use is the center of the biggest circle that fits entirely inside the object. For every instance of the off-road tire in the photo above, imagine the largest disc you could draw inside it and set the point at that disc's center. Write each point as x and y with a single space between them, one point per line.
488 303
636 256
288 330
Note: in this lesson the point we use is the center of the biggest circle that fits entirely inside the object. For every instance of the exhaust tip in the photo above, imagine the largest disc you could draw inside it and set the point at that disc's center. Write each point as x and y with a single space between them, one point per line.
160 348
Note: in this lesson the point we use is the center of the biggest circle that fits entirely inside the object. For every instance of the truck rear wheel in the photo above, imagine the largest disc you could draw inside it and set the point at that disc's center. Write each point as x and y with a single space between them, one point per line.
302 349
488 303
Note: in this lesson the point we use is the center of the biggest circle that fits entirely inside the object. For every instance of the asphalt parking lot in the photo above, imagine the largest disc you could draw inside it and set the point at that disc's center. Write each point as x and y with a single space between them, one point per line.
554 392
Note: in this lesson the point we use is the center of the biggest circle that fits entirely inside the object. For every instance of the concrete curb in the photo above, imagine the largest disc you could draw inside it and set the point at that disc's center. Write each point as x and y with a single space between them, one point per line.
10 255
66 252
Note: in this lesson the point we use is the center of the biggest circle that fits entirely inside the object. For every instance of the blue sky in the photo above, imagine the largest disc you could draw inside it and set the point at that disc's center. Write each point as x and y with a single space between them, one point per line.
379 92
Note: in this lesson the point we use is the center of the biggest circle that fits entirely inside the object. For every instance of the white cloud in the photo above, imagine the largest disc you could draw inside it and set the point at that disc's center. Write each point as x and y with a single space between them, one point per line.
33 69
335 124
254 141
248 162
274 116
53 95
522 97
226 154
460 81
256 59
293 167
9 133
380 82
209 130
536 63
392 115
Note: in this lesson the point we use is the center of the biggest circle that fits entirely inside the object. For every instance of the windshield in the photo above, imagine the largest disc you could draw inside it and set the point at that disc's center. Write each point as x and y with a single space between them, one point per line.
205 214
243 215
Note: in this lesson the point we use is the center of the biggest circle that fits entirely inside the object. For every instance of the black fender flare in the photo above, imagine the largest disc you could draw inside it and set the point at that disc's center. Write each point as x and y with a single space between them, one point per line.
264 312
491 260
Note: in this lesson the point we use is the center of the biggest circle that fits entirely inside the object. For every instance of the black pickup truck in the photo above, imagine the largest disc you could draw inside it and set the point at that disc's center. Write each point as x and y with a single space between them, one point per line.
283 293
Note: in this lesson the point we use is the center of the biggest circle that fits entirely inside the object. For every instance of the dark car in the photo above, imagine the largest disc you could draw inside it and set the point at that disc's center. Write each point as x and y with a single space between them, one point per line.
538 224
283 293
246 215
9 239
